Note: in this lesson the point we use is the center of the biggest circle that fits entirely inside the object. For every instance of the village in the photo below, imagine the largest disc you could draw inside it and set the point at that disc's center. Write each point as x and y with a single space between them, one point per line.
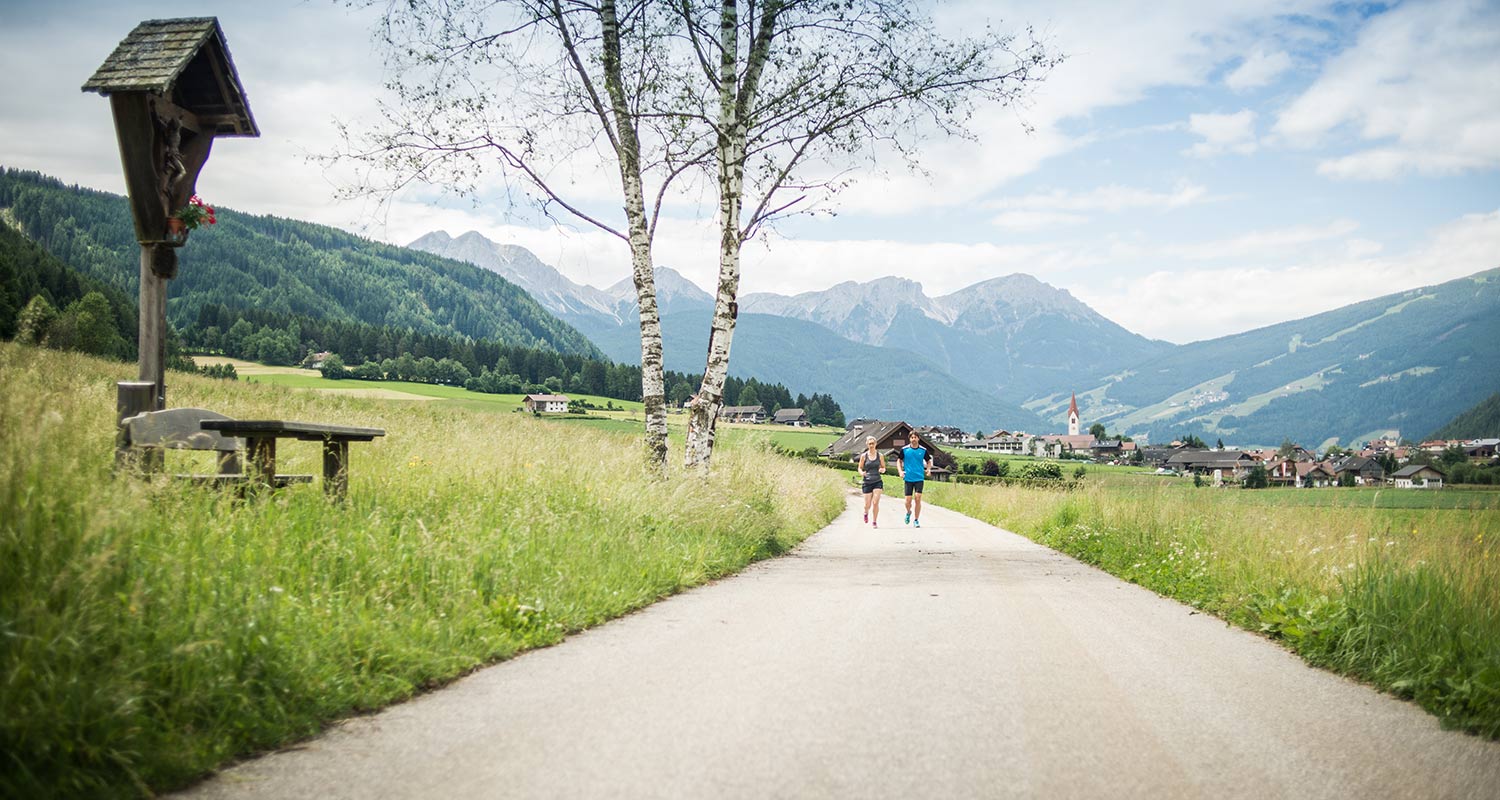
1382 462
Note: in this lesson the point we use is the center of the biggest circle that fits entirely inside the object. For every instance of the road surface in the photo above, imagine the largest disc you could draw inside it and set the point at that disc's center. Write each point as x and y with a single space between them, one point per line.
957 660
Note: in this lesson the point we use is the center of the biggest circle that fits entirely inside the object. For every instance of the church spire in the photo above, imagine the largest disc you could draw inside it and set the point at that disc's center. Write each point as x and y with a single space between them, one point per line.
1073 416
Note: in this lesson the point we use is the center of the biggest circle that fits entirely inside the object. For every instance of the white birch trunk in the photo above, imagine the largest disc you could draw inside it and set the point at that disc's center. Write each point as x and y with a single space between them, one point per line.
703 415
653 381
735 100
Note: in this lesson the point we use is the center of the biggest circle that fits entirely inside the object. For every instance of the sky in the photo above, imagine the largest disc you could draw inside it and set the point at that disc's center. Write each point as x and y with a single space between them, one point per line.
1191 170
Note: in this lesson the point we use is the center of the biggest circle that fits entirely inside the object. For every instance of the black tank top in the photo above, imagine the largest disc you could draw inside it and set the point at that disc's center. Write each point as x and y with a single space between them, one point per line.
872 467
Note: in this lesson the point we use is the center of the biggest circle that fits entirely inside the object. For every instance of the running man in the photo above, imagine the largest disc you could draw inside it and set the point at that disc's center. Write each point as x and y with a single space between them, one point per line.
915 461
870 465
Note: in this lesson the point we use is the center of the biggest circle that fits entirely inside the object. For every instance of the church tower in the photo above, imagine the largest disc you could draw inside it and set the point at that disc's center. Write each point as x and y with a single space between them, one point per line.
1073 416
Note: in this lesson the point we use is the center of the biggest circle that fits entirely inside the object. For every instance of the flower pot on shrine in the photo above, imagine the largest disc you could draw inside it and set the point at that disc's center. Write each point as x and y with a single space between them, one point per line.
177 232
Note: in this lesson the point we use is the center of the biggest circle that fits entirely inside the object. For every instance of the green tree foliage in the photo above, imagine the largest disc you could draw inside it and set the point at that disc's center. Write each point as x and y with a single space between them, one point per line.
1191 440
748 396
333 368
35 321
88 325
1040 470
1257 478
990 467
1098 431
1453 454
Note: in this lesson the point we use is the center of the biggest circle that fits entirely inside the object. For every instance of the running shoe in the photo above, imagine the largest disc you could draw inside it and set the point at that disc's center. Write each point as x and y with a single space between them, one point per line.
867 518
916 523
874 524
908 519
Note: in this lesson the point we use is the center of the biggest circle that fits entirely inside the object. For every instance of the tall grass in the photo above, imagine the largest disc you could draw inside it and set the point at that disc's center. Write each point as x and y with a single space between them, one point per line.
151 630
1406 599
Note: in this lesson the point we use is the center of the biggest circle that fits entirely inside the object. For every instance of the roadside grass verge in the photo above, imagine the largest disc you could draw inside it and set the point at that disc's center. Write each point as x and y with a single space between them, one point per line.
1405 599
151 630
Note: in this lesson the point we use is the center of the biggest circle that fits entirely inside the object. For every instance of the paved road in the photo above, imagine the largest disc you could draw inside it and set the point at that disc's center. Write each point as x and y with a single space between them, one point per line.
957 660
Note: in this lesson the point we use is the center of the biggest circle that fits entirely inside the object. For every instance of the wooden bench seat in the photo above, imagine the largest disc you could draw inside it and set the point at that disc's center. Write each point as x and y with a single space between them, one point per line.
148 435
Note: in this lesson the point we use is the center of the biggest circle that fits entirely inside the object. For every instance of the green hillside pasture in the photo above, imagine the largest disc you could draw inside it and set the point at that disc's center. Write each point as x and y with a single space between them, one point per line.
1407 599
388 389
152 630
626 419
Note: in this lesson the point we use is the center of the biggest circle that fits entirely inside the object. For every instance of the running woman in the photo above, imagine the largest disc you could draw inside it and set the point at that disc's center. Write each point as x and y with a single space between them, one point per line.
915 461
871 465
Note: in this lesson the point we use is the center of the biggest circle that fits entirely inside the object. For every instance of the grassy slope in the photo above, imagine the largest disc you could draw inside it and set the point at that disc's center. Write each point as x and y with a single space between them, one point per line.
153 630
1405 598
625 420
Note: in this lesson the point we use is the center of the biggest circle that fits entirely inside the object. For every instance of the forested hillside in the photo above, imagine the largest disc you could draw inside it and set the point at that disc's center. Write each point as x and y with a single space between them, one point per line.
283 265
34 284
1480 422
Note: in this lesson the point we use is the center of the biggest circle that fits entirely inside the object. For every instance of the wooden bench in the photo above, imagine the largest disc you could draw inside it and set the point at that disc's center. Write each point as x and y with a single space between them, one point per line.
261 436
148 435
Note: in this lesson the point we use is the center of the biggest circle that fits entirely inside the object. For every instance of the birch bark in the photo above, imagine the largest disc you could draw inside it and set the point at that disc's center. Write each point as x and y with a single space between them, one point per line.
653 381
736 99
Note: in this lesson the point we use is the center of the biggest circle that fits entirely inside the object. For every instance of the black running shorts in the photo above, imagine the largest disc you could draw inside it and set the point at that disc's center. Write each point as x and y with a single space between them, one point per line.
914 486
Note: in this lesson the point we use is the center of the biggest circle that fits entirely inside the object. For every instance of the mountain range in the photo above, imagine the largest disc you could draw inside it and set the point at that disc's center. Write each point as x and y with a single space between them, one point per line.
1006 352
1012 350
867 380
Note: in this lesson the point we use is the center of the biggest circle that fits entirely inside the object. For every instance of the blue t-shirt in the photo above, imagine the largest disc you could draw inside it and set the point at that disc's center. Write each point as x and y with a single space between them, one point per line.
914 463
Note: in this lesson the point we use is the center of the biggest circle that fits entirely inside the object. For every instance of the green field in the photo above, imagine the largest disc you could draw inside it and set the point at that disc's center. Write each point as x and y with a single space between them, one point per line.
459 395
627 419
1397 588
151 630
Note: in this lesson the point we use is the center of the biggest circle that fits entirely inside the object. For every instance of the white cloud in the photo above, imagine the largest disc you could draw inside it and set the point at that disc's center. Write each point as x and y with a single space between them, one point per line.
1111 198
1223 133
1418 86
1260 244
1036 220
1209 303
1258 69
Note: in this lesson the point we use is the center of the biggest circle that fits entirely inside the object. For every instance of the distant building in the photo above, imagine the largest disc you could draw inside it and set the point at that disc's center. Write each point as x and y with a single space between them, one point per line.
1367 471
795 417
1073 420
546 403
890 437
749 414
1231 464
1418 476
945 434
1314 474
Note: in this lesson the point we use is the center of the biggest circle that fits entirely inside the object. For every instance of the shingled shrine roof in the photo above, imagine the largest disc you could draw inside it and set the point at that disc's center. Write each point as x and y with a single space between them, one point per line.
186 59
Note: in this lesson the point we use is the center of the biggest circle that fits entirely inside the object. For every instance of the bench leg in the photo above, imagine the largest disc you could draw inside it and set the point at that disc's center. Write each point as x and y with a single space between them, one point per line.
336 468
262 453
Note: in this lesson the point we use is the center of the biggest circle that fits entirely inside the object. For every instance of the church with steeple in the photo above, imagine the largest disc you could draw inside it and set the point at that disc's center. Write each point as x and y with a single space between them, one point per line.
1073 421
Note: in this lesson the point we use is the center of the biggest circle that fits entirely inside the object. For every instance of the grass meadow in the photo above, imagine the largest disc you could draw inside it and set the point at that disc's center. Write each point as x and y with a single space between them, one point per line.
1398 589
151 630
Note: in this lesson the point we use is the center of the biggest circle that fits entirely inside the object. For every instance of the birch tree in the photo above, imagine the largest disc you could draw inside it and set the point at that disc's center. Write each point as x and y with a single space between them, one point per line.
541 91
805 90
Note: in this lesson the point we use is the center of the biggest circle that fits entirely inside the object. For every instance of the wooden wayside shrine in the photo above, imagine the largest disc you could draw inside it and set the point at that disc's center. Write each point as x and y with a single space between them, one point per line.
173 89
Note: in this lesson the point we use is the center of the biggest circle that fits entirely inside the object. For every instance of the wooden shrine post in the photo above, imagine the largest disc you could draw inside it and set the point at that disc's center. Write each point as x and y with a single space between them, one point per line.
173 89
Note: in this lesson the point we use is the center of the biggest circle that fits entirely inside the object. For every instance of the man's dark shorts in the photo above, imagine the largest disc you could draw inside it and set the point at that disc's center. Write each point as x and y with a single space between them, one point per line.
914 486
869 487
